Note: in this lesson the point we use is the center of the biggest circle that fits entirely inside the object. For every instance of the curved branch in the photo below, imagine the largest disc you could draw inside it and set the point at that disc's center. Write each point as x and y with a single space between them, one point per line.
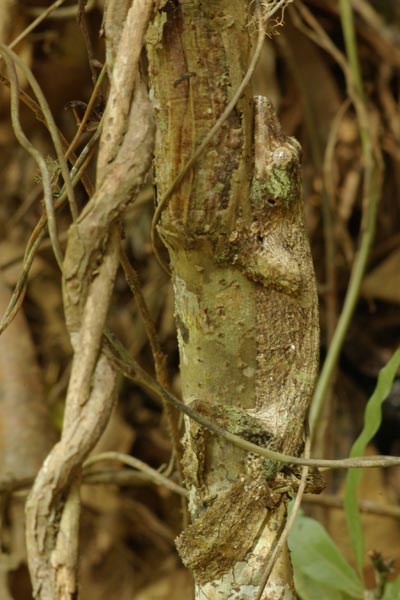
89 270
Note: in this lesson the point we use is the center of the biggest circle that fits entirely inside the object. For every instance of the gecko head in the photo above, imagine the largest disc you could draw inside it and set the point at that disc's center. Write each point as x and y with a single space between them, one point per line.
282 174
276 180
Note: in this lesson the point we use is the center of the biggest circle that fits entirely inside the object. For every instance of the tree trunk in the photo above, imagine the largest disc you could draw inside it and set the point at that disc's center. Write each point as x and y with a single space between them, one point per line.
245 298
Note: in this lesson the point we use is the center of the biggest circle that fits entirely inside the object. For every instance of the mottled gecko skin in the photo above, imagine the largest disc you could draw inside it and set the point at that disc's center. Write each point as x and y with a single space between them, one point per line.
274 252
269 246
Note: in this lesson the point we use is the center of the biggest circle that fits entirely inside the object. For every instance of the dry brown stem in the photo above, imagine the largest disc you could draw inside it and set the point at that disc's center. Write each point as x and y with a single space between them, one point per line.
89 269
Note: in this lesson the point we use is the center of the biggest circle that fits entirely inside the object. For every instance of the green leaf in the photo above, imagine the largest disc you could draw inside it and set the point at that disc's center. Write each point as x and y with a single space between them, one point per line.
309 589
372 421
320 570
392 590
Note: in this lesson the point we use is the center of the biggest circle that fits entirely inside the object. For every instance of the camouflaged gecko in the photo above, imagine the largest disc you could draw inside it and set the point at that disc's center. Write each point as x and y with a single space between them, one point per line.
268 245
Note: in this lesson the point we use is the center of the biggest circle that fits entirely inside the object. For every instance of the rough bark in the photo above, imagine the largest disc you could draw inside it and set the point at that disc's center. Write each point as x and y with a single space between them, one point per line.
245 299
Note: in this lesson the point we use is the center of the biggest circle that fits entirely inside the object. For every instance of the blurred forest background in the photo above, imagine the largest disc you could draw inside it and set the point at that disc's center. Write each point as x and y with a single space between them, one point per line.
128 523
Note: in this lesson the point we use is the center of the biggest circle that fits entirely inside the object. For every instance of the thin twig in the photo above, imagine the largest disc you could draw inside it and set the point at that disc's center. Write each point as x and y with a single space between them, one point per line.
83 158
366 506
86 37
133 371
163 203
119 477
133 282
330 187
330 294
86 115
327 169
346 17
18 294
52 508
37 111
39 233
122 477
290 521
371 193
44 13
160 361
67 12
141 466
128 477
49 122
36 155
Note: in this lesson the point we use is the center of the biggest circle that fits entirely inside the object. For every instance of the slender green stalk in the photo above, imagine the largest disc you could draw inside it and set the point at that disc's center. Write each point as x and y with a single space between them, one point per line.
372 190
350 42
348 306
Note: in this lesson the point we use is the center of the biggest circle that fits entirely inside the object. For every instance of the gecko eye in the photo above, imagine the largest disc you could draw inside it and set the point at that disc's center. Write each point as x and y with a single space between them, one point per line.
271 201
282 156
